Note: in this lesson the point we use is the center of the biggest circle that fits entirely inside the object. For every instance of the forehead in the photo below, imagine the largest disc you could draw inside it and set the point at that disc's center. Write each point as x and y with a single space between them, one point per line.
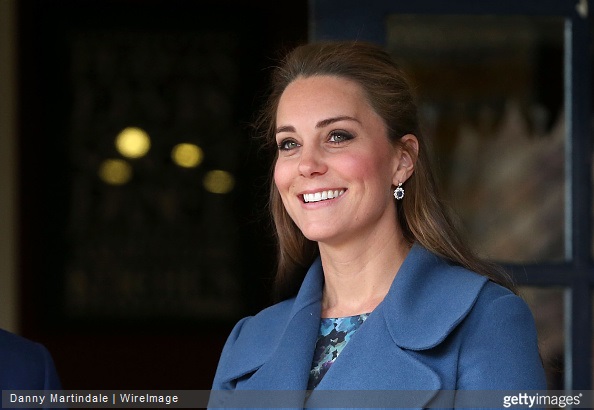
326 95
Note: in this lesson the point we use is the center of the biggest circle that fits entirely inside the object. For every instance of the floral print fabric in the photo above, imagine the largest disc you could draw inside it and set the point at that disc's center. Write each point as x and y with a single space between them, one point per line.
335 333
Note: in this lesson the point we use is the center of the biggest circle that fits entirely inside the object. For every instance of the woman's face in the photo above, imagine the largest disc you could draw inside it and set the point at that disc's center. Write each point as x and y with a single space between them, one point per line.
336 166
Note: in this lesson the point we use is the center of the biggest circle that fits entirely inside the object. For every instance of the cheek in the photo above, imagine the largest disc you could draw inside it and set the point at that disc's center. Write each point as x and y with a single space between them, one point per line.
281 177
366 168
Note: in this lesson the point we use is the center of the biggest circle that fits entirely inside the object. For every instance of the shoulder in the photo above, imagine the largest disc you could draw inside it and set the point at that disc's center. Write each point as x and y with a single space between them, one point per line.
17 349
252 341
264 327
446 298
484 332
499 343
25 364
500 310
482 305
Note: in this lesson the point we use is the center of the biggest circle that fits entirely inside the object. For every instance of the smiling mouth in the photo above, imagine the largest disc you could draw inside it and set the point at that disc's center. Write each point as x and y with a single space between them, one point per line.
322 195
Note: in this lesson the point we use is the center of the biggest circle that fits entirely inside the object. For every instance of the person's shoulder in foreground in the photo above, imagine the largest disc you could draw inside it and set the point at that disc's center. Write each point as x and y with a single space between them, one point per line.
25 364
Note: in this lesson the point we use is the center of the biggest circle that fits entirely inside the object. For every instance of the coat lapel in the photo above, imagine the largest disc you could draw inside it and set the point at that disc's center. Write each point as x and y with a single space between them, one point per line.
428 299
289 364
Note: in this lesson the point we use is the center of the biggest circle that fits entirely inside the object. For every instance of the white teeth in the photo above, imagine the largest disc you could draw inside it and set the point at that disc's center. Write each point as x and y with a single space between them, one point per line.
321 196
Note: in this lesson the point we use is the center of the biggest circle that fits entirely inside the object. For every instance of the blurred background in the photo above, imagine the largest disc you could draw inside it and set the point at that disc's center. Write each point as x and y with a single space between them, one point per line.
136 199
134 232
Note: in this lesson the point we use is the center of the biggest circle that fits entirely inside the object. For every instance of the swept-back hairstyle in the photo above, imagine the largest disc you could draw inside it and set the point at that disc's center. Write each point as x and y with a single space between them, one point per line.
420 214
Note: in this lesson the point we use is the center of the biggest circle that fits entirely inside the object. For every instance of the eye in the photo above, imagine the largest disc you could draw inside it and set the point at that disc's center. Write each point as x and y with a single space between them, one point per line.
287 145
337 137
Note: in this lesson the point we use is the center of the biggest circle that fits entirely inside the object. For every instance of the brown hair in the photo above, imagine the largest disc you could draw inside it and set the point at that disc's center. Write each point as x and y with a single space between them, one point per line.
420 214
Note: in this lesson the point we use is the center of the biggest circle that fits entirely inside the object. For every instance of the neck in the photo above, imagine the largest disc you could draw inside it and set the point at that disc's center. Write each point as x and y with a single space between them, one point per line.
358 277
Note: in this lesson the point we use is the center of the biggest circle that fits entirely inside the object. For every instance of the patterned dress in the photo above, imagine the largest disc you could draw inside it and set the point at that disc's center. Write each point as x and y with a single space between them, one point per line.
335 333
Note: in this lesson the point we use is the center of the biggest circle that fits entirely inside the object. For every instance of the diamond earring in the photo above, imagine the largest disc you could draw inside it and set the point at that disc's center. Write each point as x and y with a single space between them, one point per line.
399 192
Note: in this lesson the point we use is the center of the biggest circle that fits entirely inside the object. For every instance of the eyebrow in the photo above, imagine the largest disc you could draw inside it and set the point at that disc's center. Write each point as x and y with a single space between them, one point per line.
320 124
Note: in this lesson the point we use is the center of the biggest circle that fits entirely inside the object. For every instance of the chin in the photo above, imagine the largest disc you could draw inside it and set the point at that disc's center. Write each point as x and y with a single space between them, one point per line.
319 237
320 231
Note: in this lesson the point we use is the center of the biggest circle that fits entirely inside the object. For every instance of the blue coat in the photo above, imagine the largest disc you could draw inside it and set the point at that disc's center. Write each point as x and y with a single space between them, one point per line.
25 365
440 327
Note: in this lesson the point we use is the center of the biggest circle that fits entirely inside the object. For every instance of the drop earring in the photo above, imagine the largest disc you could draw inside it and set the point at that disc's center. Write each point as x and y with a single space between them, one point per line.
399 192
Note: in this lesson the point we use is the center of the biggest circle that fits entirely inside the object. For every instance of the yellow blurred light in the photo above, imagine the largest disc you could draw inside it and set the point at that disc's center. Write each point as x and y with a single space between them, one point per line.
115 171
219 182
133 142
187 155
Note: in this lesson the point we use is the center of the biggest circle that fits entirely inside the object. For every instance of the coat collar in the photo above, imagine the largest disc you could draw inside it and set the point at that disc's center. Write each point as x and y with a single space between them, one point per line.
426 301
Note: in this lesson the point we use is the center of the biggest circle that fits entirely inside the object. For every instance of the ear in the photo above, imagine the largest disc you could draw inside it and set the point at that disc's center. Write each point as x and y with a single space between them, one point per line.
407 153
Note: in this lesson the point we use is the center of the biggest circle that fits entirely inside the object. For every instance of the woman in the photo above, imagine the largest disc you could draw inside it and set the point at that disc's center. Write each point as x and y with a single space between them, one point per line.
378 291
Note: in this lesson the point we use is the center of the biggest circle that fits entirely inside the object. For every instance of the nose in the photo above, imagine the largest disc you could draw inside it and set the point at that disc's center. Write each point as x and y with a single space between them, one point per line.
311 162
